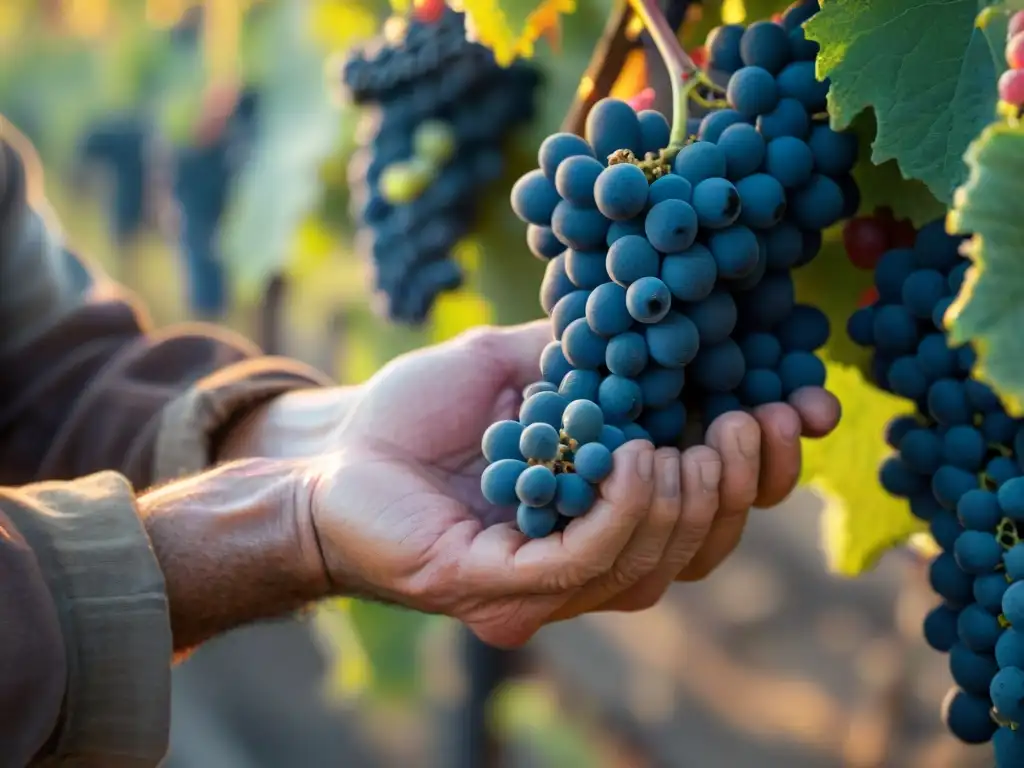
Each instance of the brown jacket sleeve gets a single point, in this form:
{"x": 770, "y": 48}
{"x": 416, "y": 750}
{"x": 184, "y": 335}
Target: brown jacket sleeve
{"x": 85, "y": 644}
{"x": 85, "y": 385}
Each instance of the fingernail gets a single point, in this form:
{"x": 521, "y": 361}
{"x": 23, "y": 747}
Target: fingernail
{"x": 710, "y": 475}
{"x": 790, "y": 428}
{"x": 749, "y": 441}
{"x": 645, "y": 465}
{"x": 668, "y": 483}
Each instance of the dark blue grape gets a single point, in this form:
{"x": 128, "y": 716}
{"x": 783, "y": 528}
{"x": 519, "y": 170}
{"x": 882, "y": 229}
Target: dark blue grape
{"x": 671, "y": 226}
{"x": 835, "y": 152}
{"x": 797, "y": 80}
{"x": 620, "y": 229}
{"x": 698, "y": 161}
{"x": 630, "y": 258}
{"x": 753, "y": 91}
{"x": 723, "y": 47}
{"x": 574, "y": 496}
{"x": 660, "y": 386}
{"x": 1007, "y": 692}
{"x": 580, "y": 228}
{"x": 580, "y": 385}
{"x": 612, "y": 437}
{"x": 940, "y": 628}
{"x": 761, "y": 350}
{"x": 735, "y": 250}
{"x": 606, "y": 310}
{"x": 789, "y": 160}
{"x": 762, "y": 200}
{"x": 988, "y": 592}
{"x": 950, "y": 483}
{"x": 557, "y": 148}
{"x": 575, "y": 179}
{"x": 536, "y": 522}
{"x": 538, "y": 386}
{"x": 540, "y": 441}
{"x": 719, "y": 367}
{"x": 555, "y": 285}
{"x": 668, "y": 187}
{"x": 648, "y": 300}
{"x": 759, "y": 387}
{"x": 716, "y": 202}
{"x": 621, "y": 399}
{"x": 501, "y": 441}
{"x": 967, "y": 717}
{"x": 805, "y": 329}
{"x": 613, "y": 125}
{"x": 586, "y": 269}
{"x": 582, "y": 347}
{"x": 665, "y": 425}
{"x": 498, "y": 481}
{"x": 626, "y": 355}
{"x": 744, "y": 150}
{"x": 542, "y": 242}
{"x": 691, "y": 274}
{"x": 715, "y": 316}
{"x": 977, "y": 552}
{"x": 569, "y": 308}
{"x": 583, "y": 421}
{"x": 714, "y": 123}
{"x": 818, "y": 204}
{"x": 673, "y": 342}
{"x": 534, "y": 198}
{"x": 1011, "y": 498}
{"x": 979, "y": 510}
{"x": 593, "y": 462}
{"x": 788, "y": 119}
{"x": 765, "y": 44}
{"x": 536, "y": 486}
{"x": 978, "y": 629}
{"x": 543, "y": 408}
{"x": 553, "y": 365}
{"x": 973, "y": 672}
{"x": 621, "y": 191}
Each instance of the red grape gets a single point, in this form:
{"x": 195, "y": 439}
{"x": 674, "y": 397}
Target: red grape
{"x": 428, "y": 11}
{"x": 865, "y": 239}
{"x": 1015, "y": 51}
{"x": 1011, "y": 87}
{"x": 901, "y": 233}
{"x": 1016, "y": 24}
{"x": 868, "y": 297}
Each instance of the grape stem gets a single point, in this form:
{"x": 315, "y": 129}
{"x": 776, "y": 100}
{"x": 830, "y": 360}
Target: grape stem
{"x": 682, "y": 72}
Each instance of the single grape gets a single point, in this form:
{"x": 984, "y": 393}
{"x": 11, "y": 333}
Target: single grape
{"x": 671, "y": 226}
{"x": 542, "y": 242}
{"x": 752, "y": 91}
{"x": 575, "y": 179}
{"x": 988, "y": 591}
{"x": 978, "y": 629}
{"x": 654, "y": 131}
{"x": 1007, "y": 692}
{"x": 806, "y": 329}
{"x": 626, "y": 354}
{"x": 580, "y": 228}
{"x": 621, "y": 399}
{"x": 606, "y": 310}
{"x": 558, "y": 147}
{"x": 660, "y": 386}
{"x": 501, "y": 441}
{"x": 593, "y": 462}
{"x": 673, "y": 341}
{"x": 536, "y": 486}
{"x": 574, "y": 496}
{"x": 714, "y": 123}
{"x": 498, "y": 481}
{"x": 784, "y": 246}
{"x": 1011, "y": 87}
{"x": 580, "y": 385}
{"x": 612, "y": 125}
{"x": 621, "y": 191}
{"x": 538, "y": 386}
{"x": 973, "y": 672}
{"x": 668, "y": 187}
{"x": 1011, "y": 498}
{"x": 612, "y": 437}
{"x": 1008, "y": 747}
{"x": 789, "y": 160}
{"x": 723, "y": 47}
{"x": 544, "y": 408}
{"x": 698, "y": 161}
{"x": 759, "y": 387}
{"x": 586, "y": 269}
{"x": 940, "y": 628}
{"x": 735, "y": 250}
{"x": 967, "y": 717}
{"x": 797, "y": 80}
{"x": 569, "y": 308}
{"x": 977, "y": 552}
{"x": 583, "y": 421}
{"x": 648, "y": 300}
{"x": 835, "y": 152}
{"x": 818, "y": 204}
{"x": 553, "y": 365}
{"x": 434, "y": 141}
{"x": 788, "y": 119}
{"x": 536, "y": 522}
{"x": 582, "y": 347}
{"x": 719, "y": 367}
{"x": 540, "y": 441}
{"x": 1010, "y": 648}
{"x": 665, "y": 425}
{"x": 630, "y": 258}
{"x": 762, "y": 200}
{"x": 744, "y": 150}
{"x": 765, "y": 44}
{"x": 715, "y": 316}
{"x": 716, "y": 202}
{"x": 555, "y": 285}
{"x": 691, "y": 274}
{"x": 534, "y": 198}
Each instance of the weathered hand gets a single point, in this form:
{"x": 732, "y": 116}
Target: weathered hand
{"x": 400, "y": 515}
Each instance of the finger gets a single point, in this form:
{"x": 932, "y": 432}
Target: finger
{"x": 737, "y": 439}
{"x": 502, "y": 561}
{"x": 819, "y": 410}
{"x": 780, "y": 453}
{"x": 514, "y": 351}
{"x": 701, "y": 474}
{"x": 646, "y": 549}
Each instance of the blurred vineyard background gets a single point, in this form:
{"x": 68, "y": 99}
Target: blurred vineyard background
{"x": 771, "y": 663}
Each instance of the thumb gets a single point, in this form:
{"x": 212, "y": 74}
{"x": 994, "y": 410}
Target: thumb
{"x": 514, "y": 350}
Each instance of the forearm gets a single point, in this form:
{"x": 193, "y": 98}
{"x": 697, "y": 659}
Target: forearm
{"x": 295, "y": 425}
{"x": 236, "y": 544}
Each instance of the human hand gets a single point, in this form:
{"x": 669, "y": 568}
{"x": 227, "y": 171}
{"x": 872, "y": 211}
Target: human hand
{"x": 400, "y": 516}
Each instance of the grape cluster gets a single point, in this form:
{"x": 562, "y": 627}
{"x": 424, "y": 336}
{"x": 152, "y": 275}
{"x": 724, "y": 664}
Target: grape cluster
{"x": 443, "y": 109}
{"x": 668, "y": 269}
{"x": 1011, "y": 82}
{"x": 958, "y": 461}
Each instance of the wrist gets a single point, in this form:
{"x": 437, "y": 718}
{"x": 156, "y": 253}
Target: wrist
{"x": 236, "y": 545}
{"x": 298, "y": 424}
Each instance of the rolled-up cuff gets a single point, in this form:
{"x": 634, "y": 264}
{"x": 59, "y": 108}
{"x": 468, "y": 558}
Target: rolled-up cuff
{"x": 111, "y": 599}
{"x": 193, "y": 424}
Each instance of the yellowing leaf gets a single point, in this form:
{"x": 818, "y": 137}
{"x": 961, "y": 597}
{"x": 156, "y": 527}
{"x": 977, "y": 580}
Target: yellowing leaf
{"x": 861, "y": 521}
{"x": 337, "y": 24}
{"x": 511, "y": 27}
{"x": 990, "y": 308}
{"x": 632, "y": 77}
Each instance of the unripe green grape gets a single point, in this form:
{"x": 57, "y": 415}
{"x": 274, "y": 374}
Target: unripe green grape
{"x": 403, "y": 182}
{"x": 434, "y": 141}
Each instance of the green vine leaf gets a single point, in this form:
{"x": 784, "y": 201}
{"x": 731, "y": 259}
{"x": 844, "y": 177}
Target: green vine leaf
{"x": 927, "y": 71}
{"x": 990, "y": 308}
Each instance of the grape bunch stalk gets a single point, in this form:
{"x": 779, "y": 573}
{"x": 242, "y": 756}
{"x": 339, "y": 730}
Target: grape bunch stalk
{"x": 958, "y": 461}
{"x": 439, "y": 112}
{"x": 669, "y": 264}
